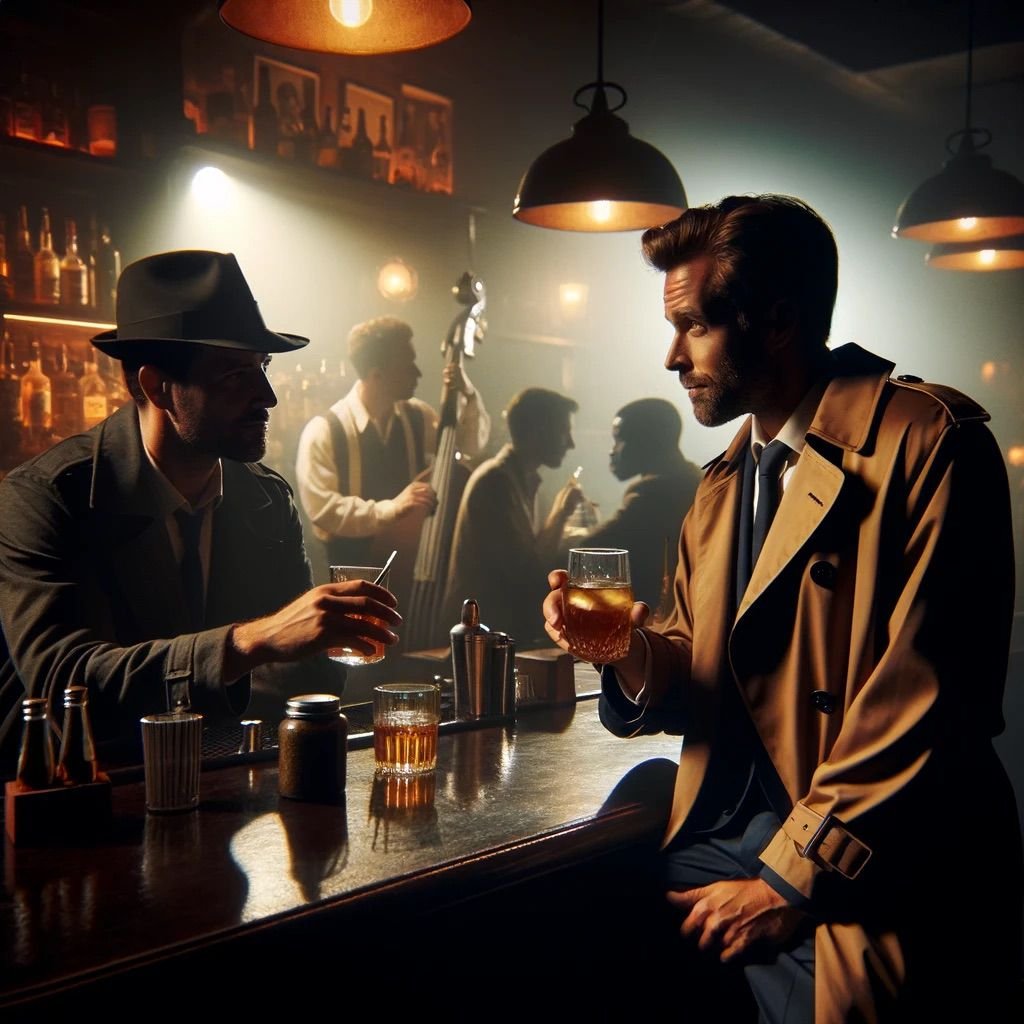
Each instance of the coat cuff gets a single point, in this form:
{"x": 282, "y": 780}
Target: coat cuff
{"x": 194, "y": 672}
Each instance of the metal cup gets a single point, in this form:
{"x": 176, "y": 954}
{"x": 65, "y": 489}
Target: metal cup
{"x": 171, "y": 749}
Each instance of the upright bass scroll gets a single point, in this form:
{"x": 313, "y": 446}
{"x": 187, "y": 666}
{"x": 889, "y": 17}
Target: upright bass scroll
{"x": 447, "y": 477}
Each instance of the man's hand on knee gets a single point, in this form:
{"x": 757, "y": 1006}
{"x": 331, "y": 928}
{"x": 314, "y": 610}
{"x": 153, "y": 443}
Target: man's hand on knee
{"x": 732, "y": 916}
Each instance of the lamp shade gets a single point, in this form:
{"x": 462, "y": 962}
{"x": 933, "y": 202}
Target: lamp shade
{"x": 348, "y": 26}
{"x": 1005, "y": 253}
{"x": 600, "y": 179}
{"x": 969, "y": 200}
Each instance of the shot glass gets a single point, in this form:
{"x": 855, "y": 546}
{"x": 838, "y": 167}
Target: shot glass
{"x": 598, "y": 601}
{"x": 405, "y": 721}
{"x": 346, "y": 655}
{"x": 171, "y": 749}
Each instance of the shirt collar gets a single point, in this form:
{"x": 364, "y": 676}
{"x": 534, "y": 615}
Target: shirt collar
{"x": 360, "y": 414}
{"x": 794, "y": 431}
{"x": 171, "y": 499}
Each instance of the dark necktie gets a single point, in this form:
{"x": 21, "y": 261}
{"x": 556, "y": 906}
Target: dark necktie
{"x": 769, "y": 493}
{"x": 191, "y": 526}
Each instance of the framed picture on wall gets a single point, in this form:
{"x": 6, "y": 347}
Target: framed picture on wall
{"x": 376, "y": 112}
{"x": 286, "y": 97}
{"x": 423, "y": 148}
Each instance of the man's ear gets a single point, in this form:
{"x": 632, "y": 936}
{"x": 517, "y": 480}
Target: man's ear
{"x": 781, "y": 325}
{"x": 155, "y": 386}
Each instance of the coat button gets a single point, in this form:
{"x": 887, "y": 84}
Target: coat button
{"x": 824, "y": 701}
{"x": 824, "y": 574}
{"x": 909, "y": 378}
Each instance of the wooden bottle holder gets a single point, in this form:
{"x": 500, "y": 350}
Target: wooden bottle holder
{"x": 36, "y": 816}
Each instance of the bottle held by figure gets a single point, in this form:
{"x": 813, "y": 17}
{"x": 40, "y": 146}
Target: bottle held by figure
{"x": 23, "y": 263}
{"x": 74, "y": 274}
{"x": 47, "y": 264}
{"x": 77, "y": 762}
{"x": 35, "y": 761}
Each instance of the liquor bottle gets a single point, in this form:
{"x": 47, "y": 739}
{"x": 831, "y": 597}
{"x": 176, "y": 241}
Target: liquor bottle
{"x": 27, "y": 114}
{"x": 36, "y": 404}
{"x": 77, "y": 761}
{"x": 10, "y": 406}
{"x": 23, "y": 263}
{"x": 308, "y": 145}
{"x": 74, "y": 274}
{"x": 382, "y": 152}
{"x": 67, "y": 398}
{"x": 35, "y": 760}
{"x": 405, "y": 169}
{"x": 93, "y": 389}
{"x": 90, "y": 260}
{"x": 6, "y": 283}
{"x": 54, "y": 118}
{"x": 47, "y": 264}
{"x": 264, "y": 117}
{"x": 360, "y": 156}
{"x": 108, "y": 270}
{"x": 327, "y": 148}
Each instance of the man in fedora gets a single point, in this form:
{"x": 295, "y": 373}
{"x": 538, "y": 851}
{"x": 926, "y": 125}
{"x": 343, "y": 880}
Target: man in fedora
{"x": 153, "y": 559}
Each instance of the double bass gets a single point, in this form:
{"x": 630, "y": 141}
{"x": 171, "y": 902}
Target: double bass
{"x": 448, "y": 477}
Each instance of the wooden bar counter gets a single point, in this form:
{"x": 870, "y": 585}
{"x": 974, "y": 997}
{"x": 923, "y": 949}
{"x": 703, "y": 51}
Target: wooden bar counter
{"x": 493, "y": 856}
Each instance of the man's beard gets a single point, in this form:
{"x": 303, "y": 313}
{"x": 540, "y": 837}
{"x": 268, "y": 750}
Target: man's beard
{"x": 733, "y": 390}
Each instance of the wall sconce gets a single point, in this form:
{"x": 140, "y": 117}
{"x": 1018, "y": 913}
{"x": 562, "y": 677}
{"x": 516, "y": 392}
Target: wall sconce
{"x": 397, "y": 281}
{"x": 348, "y": 26}
{"x": 572, "y": 300}
{"x": 1015, "y": 455}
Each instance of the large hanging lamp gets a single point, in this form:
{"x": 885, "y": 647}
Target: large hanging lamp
{"x": 601, "y": 178}
{"x": 1005, "y": 253}
{"x": 969, "y": 199}
{"x": 348, "y": 26}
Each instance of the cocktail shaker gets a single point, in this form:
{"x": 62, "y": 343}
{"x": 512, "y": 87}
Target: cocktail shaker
{"x": 471, "y": 663}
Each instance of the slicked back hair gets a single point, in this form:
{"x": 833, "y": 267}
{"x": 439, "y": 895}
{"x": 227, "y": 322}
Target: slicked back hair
{"x": 535, "y": 411}
{"x": 762, "y": 249}
{"x": 372, "y": 343}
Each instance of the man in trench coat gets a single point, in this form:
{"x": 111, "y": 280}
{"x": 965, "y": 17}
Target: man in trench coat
{"x": 841, "y": 830}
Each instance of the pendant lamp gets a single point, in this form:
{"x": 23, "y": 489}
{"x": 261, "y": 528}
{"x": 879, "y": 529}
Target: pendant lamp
{"x": 348, "y": 26}
{"x": 1005, "y": 253}
{"x": 969, "y": 199}
{"x": 601, "y": 178}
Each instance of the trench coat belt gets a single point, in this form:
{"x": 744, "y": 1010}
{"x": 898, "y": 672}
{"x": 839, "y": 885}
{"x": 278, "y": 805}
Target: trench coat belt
{"x": 826, "y": 841}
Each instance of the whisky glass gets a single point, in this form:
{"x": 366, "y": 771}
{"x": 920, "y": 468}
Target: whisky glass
{"x": 597, "y": 604}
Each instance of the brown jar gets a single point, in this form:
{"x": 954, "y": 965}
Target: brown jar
{"x": 312, "y": 745}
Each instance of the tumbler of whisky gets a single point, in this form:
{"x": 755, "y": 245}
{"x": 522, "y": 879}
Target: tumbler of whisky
{"x": 598, "y": 601}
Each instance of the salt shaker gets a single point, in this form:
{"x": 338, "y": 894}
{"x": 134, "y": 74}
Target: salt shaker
{"x": 312, "y": 743}
{"x": 35, "y": 761}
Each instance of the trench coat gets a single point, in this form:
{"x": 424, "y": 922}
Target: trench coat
{"x": 870, "y": 651}
{"x": 91, "y": 594}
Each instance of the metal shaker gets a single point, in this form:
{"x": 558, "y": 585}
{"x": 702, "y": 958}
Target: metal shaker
{"x": 502, "y": 691}
{"x": 471, "y": 663}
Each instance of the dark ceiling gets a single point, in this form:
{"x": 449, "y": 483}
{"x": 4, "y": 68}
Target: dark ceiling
{"x": 868, "y": 35}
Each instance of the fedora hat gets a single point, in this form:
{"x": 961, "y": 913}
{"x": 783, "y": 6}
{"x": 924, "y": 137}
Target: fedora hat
{"x": 191, "y": 296}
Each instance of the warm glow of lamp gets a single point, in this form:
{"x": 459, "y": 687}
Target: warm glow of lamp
{"x": 397, "y": 281}
{"x": 211, "y": 186}
{"x": 990, "y": 254}
{"x": 601, "y": 178}
{"x": 572, "y": 298}
{"x": 1015, "y": 455}
{"x": 348, "y": 26}
{"x": 351, "y": 13}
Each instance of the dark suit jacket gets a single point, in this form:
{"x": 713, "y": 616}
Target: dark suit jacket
{"x": 90, "y": 592}
{"x": 648, "y": 525}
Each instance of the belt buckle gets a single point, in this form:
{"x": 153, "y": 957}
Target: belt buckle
{"x": 812, "y": 844}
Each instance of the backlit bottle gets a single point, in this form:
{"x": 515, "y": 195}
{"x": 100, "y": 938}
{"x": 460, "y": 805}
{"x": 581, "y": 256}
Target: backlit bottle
{"x": 108, "y": 270}
{"x": 74, "y": 274}
{"x": 23, "y": 263}
{"x": 67, "y": 398}
{"x": 36, "y": 402}
{"x": 47, "y": 264}
{"x": 93, "y": 389}
{"x": 360, "y": 156}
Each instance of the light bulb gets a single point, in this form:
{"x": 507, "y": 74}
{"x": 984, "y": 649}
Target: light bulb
{"x": 601, "y": 210}
{"x": 351, "y": 13}
{"x": 967, "y": 223}
{"x": 987, "y": 256}
{"x": 211, "y": 187}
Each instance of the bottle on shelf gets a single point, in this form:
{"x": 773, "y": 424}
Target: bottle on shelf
{"x": 264, "y": 116}
{"x": 360, "y": 155}
{"x": 382, "y": 152}
{"x": 27, "y": 114}
{"x": 93, "y": 389}
{"x": 36, "y": 403}
{"x": 54, "y": 117}
{"x": 66, "y": 402}
{"x": 117, "y": 392}
{"x": 77, "y": 761}
{"x": 6, "y": 282}
{"x": 23, "y": 262}
{"x": 327, "y": 147}
{"x": 90, "y": 260}
{"x": 35, "y": 760}
{"x": 47, "y": 264}
{"x": 10, "y": 405}
{"x": 108, "y": 270}
{"x": 405, "y": 169}
{"x": 74, "y": 274}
